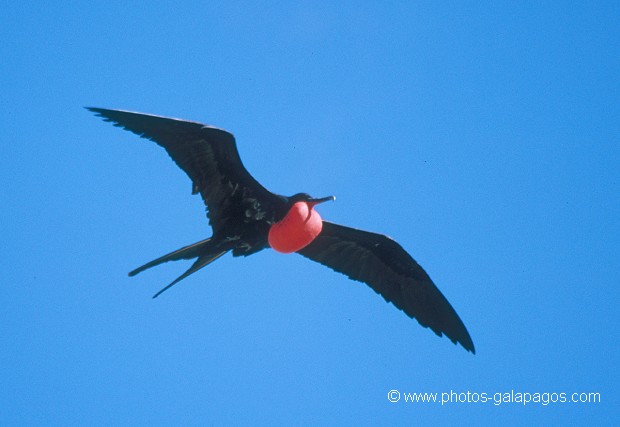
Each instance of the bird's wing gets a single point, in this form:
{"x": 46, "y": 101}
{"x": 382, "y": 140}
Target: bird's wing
{"x": 390, "y": 271}
{"x": 210, "y": 158}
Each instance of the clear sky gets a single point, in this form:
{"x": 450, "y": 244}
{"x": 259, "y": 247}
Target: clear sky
{"x": 485, "y": 138}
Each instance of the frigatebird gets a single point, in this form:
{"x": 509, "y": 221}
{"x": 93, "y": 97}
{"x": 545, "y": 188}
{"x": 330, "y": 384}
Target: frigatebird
{"x": 247, "y": 218}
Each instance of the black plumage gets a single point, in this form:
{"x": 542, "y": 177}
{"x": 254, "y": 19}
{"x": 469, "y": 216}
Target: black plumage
{"x": 241, "y": 211}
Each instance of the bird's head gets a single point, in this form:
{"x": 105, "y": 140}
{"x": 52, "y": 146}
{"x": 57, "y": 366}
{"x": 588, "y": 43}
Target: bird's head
{"x": 309, "y": 202}
{"x": 305, "y": 197}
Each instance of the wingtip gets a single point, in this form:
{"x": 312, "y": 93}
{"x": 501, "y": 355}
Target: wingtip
{"x": 467, "y": 345}
{"x": 99, "y": 112}
{"x": 470, "y": 349}
{"x": 94, "y": 109}
{"x": 105, "y": 112}
{"x": 464, "y": 339}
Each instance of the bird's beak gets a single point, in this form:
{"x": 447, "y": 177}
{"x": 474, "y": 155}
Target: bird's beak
{"x": 313, "y": 202}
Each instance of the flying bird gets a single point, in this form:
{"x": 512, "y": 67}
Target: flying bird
{"x": 247, "y": 218}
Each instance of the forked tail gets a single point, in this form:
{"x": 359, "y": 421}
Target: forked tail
{"x": 205, "y": 251}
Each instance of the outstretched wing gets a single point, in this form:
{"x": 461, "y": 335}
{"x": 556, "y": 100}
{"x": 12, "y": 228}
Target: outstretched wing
{"x": 390, "y": 271}
{"x": 210, "y": 158}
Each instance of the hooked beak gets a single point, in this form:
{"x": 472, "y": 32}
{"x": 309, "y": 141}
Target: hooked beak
{"x": 313, "y": 202}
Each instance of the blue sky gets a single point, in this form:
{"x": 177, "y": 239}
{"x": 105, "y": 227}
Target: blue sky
{"x": 484, "y": 138}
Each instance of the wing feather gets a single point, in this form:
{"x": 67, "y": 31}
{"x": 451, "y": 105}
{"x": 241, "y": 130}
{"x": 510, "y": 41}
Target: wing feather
{"x": 389, "y": 270}
{"x": 209, "y": 156}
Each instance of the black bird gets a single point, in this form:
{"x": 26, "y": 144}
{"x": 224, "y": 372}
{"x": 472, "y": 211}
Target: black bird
{"x": 247, "y": 218}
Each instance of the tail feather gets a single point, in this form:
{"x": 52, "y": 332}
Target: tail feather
{"x": 200, "y": 262}
{"x": 206, "y": 252}
{"x": 187, "y": 252}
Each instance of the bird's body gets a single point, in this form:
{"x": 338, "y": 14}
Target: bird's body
{"x": 247, "y": 218}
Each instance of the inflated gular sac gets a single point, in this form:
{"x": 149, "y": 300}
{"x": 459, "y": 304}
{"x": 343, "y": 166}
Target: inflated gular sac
{"x": 296, "y": 230}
